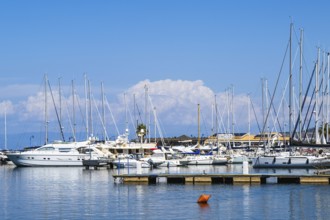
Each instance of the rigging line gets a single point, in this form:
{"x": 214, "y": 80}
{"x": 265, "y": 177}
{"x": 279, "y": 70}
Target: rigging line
{"x": 204, "y": 123}
{"x": 220, "y": 114}
{"x": 57, "y": 116}
{"x": 318, "y": 113}
{"x": 100, "y": 117}
{"x": 133, "y": 123}
{"x": 113, "y": 119}
{"x": 282, "y": 103}
{"x": 139, "y": 112}
{"x": 310, "y": 114}
{"x": 304, "y": 101}
{"x": 276, "y": 114}
{"x": 81, "y": 111}
{"x": 70, "y": 122}
{"x": 277, "y": 82}
{"x": 255, "y": 115}
{"x": 156, "y": 120}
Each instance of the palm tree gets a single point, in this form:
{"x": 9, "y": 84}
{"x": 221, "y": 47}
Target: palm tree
{"x": 141, "y": 131}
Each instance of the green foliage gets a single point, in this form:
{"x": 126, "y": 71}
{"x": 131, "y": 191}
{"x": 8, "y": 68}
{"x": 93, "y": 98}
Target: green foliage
{"x": 141, "y": 130}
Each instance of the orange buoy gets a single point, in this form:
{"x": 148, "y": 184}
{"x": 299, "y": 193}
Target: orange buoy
{"x": 203, "y": 198}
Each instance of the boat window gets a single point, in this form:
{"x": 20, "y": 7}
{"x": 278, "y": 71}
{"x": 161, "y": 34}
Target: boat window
{"x": 64, "y": 149}
{"x": 46, "y": 149}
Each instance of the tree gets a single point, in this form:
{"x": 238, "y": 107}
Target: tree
{"x": 141, "y": 131}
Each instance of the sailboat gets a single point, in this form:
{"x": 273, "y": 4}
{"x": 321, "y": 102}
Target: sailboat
{"x": 205, "y": 159}
{"x": 294, "y": 159}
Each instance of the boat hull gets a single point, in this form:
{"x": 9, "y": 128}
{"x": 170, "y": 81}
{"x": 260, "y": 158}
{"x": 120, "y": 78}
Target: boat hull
{"x": 291, "y": 162}
{"x": 34, "y": 160}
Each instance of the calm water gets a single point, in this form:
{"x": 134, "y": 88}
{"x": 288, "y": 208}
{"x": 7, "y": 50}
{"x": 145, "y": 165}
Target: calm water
{"x": 76, "y": 193}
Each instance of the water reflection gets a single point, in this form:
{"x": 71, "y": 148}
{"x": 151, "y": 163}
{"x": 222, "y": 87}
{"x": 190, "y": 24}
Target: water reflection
{"x": 76, "y": 193}
{"x": 203, "y": 206}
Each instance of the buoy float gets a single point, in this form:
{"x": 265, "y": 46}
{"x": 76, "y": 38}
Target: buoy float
{"x": 203, "y": 198}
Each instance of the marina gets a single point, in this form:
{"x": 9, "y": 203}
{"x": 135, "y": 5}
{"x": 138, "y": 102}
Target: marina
{"x": 153, "y": 110}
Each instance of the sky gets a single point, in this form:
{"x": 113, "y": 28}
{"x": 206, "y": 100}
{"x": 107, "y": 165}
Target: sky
{"x": 212, "y": 53}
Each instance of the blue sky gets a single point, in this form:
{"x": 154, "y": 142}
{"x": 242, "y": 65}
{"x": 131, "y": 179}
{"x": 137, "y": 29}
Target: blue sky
{"x": 125, "y": 44}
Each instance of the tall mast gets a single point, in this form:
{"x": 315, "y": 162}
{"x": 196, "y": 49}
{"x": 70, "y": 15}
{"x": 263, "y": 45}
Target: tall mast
{"x": 86, "y": 107}
{"x": 6, "y": 127}
{"x": 103, "y": 113}
{"x": 60, "y": 99}
{"x": 300, "y": 79}
{"x": 90, "y": 108}
{"x": 290, "y": 81}
{"x": 328, "y": 90}
{"x": 198, "y": 121}
{"x": 317, "y": 136}
{"x": 323, "y": 98}
{"x": 232, "y": 114}
{"x": 263, "y": 110}
{"x": 73, "y": 113}
{"x": 216, "y": 120}
{"x": 249, "y": 119}
{"x": 46, "y": 111}
{"x": 155, "y": 120}
{"x": 146, "y": 110}
{"x": 263, "y": 101}
{"x": 145, "y": 103}
{"x": 216, "y": 114}
{"x": 228, "y": 118}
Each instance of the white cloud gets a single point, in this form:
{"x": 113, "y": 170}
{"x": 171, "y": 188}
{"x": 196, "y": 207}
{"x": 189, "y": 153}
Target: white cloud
{"x": 6, "y": 107}
{"x": 175, "y": 102}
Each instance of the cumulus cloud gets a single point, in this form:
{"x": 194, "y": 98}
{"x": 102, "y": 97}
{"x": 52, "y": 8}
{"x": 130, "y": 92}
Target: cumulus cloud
{"x": 174, "y": 102}
{"x": 6, "y": 107}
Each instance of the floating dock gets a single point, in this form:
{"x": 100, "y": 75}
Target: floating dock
{"x": 97, "y": 164}
{"x": 222, "y": 178}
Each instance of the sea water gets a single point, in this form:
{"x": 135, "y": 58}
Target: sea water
{"x": 77, "y": 193}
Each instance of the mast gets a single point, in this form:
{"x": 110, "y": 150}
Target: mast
{"x": 86, "y": 107}
{"x": 6, "y": 127}
{"x": 73, "y": 112}
{"x": 328, "y": 90}
{"x": 60, "y": 99}
{"x": 155, "y": 127}
{"x": 146, "y": 109}
{"x": 323, "y": 141}
{"x": 46, "y": 111}
{"x": 90, "y": 108}
{"x": 216, "y": 121}
{"x": 126, "y": 115}
{"x": 249, "y": 119}
{"x": 198, "y": 120}
{"x": 263, "y": 109}
{"x": 290, "y": 81}
{"x": 228, "y": 118}
{"x": 317, "y": 136}
{"x": 103, "y": 113}
{"x": 232, "y": 114}
{"x": 300, "y": 79}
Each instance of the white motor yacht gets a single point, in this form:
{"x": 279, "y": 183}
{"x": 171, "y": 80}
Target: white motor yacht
{"x": 56, "y": 154}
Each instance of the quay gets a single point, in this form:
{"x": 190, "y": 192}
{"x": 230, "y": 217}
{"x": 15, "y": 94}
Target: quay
{"x": 203, "y": 178}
